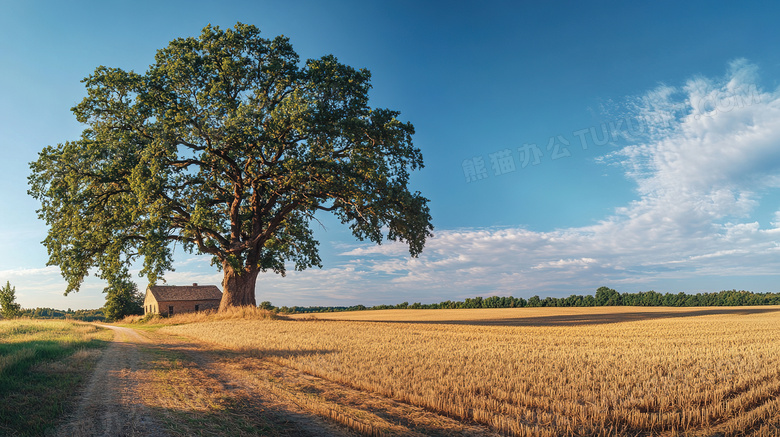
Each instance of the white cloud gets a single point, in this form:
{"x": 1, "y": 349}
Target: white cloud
{"x": 566, "y": 264}
{"x": 710, "y": 150}
{"x": 44, "y": 287}
{"x": 26, "y": 272}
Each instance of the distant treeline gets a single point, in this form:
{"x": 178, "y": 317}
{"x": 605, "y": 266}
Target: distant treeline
{"x": 50, "y": 313}
{"x": 604, "y": 297}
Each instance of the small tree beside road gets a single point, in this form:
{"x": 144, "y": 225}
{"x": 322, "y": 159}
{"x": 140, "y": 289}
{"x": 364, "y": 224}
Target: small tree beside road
{"x": 122, "y": 299}
{"x": 8, "y": 306}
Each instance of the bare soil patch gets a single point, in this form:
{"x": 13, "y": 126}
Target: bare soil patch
{"x": 109, "y": 404}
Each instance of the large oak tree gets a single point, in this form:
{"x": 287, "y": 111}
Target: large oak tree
{"x": 227, "y": 146}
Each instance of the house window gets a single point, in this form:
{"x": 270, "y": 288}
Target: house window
{"x": 197, "y": 307}
{"x": 170, "y": 310}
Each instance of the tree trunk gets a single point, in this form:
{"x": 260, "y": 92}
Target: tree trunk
{"x": 238, "y": 288}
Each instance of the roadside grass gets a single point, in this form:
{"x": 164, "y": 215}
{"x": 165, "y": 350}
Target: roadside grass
{"x": 42, "y": 363}
{"x": 155, "y": 321}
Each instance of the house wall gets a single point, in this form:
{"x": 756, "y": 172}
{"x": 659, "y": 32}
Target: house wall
{"x": 150, "y": 304}
{"x": 181, "y": 306}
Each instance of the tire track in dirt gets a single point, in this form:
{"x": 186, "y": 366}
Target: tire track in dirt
{"x": 109, "y": 404}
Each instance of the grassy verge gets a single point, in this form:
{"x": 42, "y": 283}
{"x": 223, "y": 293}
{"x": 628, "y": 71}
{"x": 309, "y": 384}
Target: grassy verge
{"x": 42, "y": 362}
{"x": 155, "y": 321}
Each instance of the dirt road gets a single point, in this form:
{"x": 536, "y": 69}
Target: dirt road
{"x": 110, "y": 405}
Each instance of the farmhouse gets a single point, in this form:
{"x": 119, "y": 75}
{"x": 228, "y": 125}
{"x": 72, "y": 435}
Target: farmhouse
{"x": 175, "y": 299}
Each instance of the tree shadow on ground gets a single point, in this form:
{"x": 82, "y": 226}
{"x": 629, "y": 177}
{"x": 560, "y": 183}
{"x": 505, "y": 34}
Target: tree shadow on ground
{"x": 209, "y": 401}
{"x": 299, "y": 405}
{"x": 590, "y": 319}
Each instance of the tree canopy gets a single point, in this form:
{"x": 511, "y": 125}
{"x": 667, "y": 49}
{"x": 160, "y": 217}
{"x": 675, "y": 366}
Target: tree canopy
{"x": 226, "y": 146}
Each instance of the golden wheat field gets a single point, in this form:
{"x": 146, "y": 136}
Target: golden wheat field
{"x": 542, "y": 371}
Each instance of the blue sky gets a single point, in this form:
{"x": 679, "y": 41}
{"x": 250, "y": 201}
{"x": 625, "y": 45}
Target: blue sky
{"x": 567, "y": 145}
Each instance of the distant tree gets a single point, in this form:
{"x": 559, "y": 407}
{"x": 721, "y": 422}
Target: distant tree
{"x": 607, "y": 296}
{"x": 8, "y": 306}
{"x": 448, "y": 304}
{"x": 534, "y": 301}
{"x": 122, "y": 299}
{"x": 226, "y": 146}
{"x": 692, "y": 300}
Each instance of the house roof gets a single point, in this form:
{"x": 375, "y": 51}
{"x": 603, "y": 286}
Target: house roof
{"x": 163, "y": 293}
